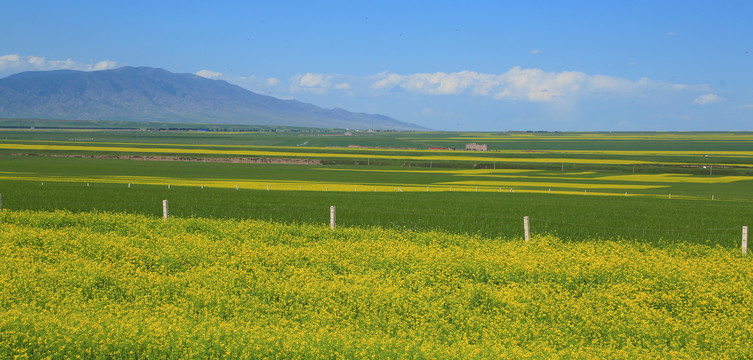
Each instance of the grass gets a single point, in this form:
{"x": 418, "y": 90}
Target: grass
{"x": 658, "y": 221}
{"x": 99, "y": 285}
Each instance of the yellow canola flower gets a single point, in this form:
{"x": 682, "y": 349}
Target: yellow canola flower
{"x": 675, "y": 178}
{"x": 537, "y": 184}
{"x": 456, "y": 156}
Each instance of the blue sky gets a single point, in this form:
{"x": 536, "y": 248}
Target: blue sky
{"x": 446, "y": 65}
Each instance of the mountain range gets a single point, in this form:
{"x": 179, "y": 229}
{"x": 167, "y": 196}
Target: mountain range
{"x": 152, "y": 94}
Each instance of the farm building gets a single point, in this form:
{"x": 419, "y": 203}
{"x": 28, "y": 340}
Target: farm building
{"x": 476, "y": 147}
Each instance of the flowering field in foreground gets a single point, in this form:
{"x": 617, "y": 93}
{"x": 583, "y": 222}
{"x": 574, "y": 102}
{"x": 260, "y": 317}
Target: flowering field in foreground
{"x": 103, "y": 285}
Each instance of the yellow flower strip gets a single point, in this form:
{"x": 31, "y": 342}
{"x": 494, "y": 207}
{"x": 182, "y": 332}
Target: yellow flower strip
{"x": 185, "y": 151}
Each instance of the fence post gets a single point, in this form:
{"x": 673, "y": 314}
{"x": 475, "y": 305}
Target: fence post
{"x": 745, "y": 241}
{"x": 165, "y": 211}
{"x": 527, "y": 228}
{"x": 236, "y": 186}
{"x": 332, "y": 217}
{"x": 129, "y": 185}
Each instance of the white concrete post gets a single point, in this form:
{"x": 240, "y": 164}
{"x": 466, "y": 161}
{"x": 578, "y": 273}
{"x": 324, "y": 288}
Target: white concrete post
{"x": 526, "y": 228}
{"x": 745, "y": 241}
{"x": 165, "y": 211}
{"x": 332, "y": 217}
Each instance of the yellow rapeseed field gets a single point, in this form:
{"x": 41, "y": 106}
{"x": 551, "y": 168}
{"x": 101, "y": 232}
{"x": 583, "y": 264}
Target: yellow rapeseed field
{"x": 101, "y": 285}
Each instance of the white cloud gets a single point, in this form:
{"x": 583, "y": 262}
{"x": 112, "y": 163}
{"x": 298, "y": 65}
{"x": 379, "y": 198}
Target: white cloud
{"x": 517, "y": 83}
{"x": 272, "y": 81}
{"x": 314, "y": 80}
{"x": 669, "y": 35}
{"x": 102, "y": 65}
{"x": 745, "y": 106}
{"x": 209, "y": 74}
{"x": 706, "y": 99}
{"x": 342, "y": 86}
{"x": 535, "y": 52}
{"x": 14, "y": 63}
{"x": 311, "y": 82}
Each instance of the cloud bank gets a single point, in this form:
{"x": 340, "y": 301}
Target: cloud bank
{"x": 209, "y": 74}
{"x": 706, "y": 99}
{"x": 14, "y": 63}
{"x": 534, "y": 85}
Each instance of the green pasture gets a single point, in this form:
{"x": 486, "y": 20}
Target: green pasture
{"x": 659, "y": 221}
{"x": 351, "y": 178}
{"x": 573, "y": 184}
{"x": 692, "y": 153}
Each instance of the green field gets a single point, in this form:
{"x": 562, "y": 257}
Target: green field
{"x": 635, "y": 249}
{"x": 649, "y": 187}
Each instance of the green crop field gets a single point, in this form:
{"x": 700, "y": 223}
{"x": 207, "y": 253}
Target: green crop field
{"x": 642, "y": 186}
{"x": 635, "y": 248}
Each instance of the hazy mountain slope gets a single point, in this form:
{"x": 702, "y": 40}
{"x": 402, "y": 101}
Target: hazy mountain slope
{"x": 150, "y": 94}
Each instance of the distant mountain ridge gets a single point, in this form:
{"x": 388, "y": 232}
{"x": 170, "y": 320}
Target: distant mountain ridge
{"x": 152, "y": 94}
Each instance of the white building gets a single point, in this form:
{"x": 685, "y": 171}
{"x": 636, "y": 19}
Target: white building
{"x": 476, "y": 147}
